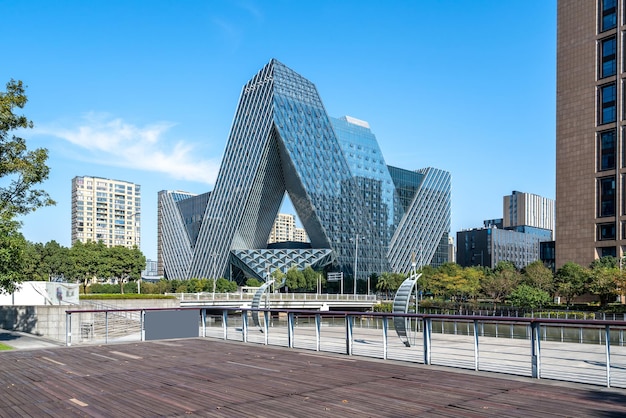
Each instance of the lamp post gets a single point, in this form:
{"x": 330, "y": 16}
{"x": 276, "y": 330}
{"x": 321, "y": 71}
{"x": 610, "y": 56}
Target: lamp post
{"x": 214, "y": 256}
{"x": 356, "y": 259}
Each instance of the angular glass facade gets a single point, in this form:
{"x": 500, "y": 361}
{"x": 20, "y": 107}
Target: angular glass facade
{"x": 282, "y": 141}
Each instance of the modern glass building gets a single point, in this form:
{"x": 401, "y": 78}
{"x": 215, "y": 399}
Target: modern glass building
{"x": 360, "y": 215}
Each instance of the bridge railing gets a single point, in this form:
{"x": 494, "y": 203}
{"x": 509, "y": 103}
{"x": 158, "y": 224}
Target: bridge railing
{"x": 583, "y": 351}
{"x": 240, "y": 296}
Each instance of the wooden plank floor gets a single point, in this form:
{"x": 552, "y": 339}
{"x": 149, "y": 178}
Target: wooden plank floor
{"x": 207, "y": 377}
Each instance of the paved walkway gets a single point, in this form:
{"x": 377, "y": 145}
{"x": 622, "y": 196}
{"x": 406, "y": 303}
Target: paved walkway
{"x": 24, "y": 341}
{"x": 207, "y": 377}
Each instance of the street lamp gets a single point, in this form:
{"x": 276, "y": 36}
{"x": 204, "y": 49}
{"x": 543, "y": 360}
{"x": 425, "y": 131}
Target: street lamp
{"x": 214, "y": 256}
{"x": 356, "y": 258}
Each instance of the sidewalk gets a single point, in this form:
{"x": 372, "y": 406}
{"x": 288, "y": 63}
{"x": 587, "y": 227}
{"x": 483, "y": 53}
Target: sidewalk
{"x": 23, "y": 341}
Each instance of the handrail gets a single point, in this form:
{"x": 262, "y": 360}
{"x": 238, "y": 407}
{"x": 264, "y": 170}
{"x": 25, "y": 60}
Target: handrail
{"x": 534, "y": 325}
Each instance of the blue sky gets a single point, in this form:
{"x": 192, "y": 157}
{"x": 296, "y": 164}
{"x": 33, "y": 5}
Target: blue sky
{"x": 145, "y": 91}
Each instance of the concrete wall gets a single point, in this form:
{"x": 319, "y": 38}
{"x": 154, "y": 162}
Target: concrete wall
{"x": 49, "y": 321}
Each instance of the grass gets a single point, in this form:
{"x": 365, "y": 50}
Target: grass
{"x": 5, "y": 347}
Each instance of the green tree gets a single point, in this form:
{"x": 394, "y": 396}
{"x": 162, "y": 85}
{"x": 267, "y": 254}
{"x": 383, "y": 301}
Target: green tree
{"x": 571, "y": 280}
{"x": 310, "y": 279}
{"x": 12, "y": 249}
{"x": 385, "y": 283}
{"x": 253, "y": 282}
{"x": 22, "y": 169}
{"x": 526, "y": 296}
{"x": 501, "y": 282}
{"x": 295, "y": 279}
{"x": 603, "y": 282}
{"x": 126, "y": 264}
{"x": 537, "y": 275}
{"x": 88, "y": 262}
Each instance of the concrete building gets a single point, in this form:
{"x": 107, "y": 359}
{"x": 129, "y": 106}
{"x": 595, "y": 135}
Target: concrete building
{"x": 361, "y": 216}
{"x": 590, "y": 164}
{"x": 527, "y": 209}
{"x": 285, "y": 229}
{"x": 106, "y": 210}
{"x": 516, "y": 237}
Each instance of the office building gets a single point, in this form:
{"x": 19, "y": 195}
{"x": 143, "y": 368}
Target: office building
{"x": 590, "y": 164}
{"x": 528, "y": 210}
{"x": 361, "y": 216}
{"x": 107, "y": 211}
{"x": 516, "y": 237}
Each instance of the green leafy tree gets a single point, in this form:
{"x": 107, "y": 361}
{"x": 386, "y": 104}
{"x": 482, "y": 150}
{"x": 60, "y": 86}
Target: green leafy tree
{"x": 310, "y": 279}
{"x": 253, "y": 282}
{"x": 126, "y": 264}
{"x": 12, "y": 250}
{"x": 603, "y": 282}
{"x": 501, "y": 282}
{"x": 571, "y": 280}
{"x": 88, "y": 262}
{"x": 295, "y": 279}
{"x": 34, "y": 267}
{"x": 606, "y": 261}
{"x": 22, "y": 169}
{"x": 526, "y": 296}
{"x": 537, "y": 275}
{"x": 385, "y": 283}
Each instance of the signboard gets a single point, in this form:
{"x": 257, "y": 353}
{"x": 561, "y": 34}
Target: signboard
{"x": 334, "y": 277}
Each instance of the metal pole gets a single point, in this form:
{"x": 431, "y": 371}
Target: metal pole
{"x": 356, "y": 258}
{"x": 204, "y": 322}
{"x": 476, "y": 358}
{"x": 607, "y": 332}
{"x": 428, "y": 328}
{"x": 385, "y": 325}
{"x": 106, "y": 327}
{"x": 68, "y": 329}
{"x": 349, "y": 322}
{"x": 318, "y": 331}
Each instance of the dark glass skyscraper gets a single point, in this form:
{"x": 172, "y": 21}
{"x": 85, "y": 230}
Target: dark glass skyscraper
{"x": 282, "y": 141}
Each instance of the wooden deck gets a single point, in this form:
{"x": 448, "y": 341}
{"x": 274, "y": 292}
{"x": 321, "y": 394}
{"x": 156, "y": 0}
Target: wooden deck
{"x": 207, "y": 377}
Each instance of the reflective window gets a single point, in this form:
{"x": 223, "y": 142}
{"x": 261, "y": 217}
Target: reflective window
{"x": 606, "y": 150}
{"x": 607, "y": 251}
{"x": 608, "y": 66}
{"x": 606, "y": 231}
{"x": 606, "y": 197}
{"x": 607, "y": 103}
{"x": 608, "y": 15}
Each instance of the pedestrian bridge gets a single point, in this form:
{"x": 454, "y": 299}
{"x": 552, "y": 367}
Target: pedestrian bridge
{"x": 309, "y": 301}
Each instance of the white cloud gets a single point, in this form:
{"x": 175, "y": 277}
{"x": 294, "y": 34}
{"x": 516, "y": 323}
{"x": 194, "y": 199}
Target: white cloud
{"x": 142, "y": 148}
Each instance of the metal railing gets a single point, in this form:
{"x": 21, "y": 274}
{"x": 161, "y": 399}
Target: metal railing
{"x": 272, "y": 296}
{"x": 583, "y": 351}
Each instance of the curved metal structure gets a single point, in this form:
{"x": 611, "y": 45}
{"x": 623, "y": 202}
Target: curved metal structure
{"x": 256, "y": 302}
{"x": 401, "y": 305}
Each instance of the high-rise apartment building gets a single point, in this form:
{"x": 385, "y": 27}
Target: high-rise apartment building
{"x": 590, "y": 163}
{"x": 106, "y": 210}
{"x": 285, "y": 229}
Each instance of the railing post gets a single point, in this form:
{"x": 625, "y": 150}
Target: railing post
{"x": 68, "y": 329}
{"x": 607, "y": 332}
{"x": 476, "y": 357}
{"x": 225, "y": 323}
{"x": 535, "y": 349}
{"x": 385, "y": 327}
{"x": 428, "y": 328}
{"x": 106, "y": 327}
{"x": 143, "y": 332}
{"x": 290, "y": 335}
{"x": 203, "y": 313}
{"x": 349, "y": 322}
{"x": 318, "y": 331}
{"x": 266, "y": 326}
{"x": 244, "y": 326}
